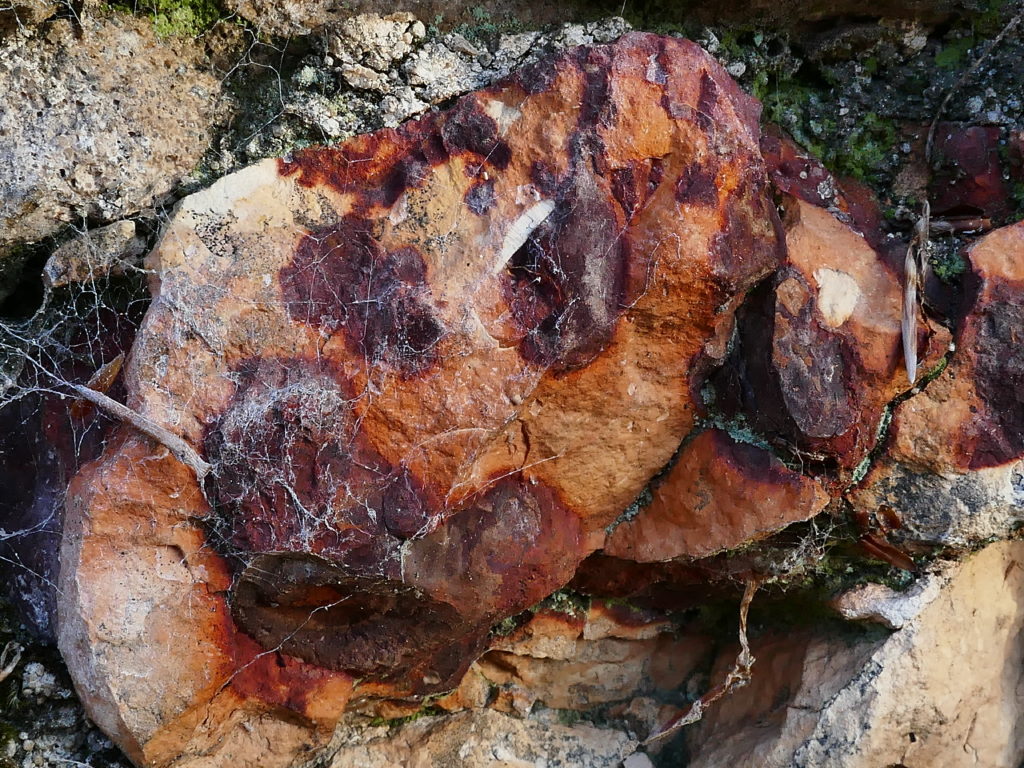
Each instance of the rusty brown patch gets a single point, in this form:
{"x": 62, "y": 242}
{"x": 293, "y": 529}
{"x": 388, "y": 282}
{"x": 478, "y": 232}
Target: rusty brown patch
{"x": 512, "y": 544}
{"x": 310, "y": 608}
{"x": 998, "y": 355}
{"x": 698, "y": 184}
{"x": 343, "y": 280}
{"x": 468, "y": 129}
{"x": 790, "y": 375}
{"x": 634, "y": 184}
{"x": 375, "y": 168}
{"x": 295, "y": 473}
{"x": 566, "y": 286}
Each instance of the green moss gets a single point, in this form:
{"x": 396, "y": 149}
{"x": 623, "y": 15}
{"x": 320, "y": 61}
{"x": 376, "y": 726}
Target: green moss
{"x": 1017, "y": 195}
{"x": 948, "y": 266}
{"x": 176, "y": 18}
{"x": 953, "y": 55}
{"x": 396, "y": 722}
{"x": 569, "y": 717}
{"x": 565, "y": 601}
{"x": 505, "y": 627}
{"x": 485, "y": 26}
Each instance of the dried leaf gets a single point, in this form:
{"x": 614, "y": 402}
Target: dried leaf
{"x": 101, "y": 381}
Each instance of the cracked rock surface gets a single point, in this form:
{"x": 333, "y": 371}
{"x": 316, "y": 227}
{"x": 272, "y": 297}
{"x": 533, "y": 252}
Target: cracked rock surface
{"x": 507, "y": 398}
{"x": 96, "y": 127}
{"x": 941, "y": 691}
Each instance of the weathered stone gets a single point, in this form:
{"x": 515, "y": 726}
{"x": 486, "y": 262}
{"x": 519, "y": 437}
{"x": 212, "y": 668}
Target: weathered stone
{"x": 818, "y": 353}
{"x": 882, "y": 604}
{"x": 480, "y": 739}
{"x": 19, "y": 16}
{"x": 429, "y": 366}
{"x": 300, "y": 17}
{"x": 580, "y": 661}
{"x": 796, "y": 172}
{"x": 97, "y": 126}
{"x": 951, "y": 469}
{"x": 372, "y": 41}
{"x": 389, "y": 83}
{"x": 969, "y": 177}
{"x": 942, "y": 691}
{"x": 96, "y": 253}
{"x": 719, "y": 495}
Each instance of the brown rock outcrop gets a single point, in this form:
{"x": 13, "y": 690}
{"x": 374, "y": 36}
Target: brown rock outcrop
{"x": 429, "y": 367}
{"x": 951, "y": 468}
{"x": 703, "y": 505}
{"x": 818, "y": 350}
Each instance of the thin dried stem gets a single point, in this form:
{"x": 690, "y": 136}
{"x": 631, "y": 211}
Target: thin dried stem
{"x": 738, "y": 676}
{"x": 9, "y": 659}
{"x": 181, "y": 450}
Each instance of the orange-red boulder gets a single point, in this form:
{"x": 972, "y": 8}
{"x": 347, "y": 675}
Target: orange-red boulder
{"x": 719, "y": 495}
{"x": 953, "y": 464}
{"x": 429, "y": 366}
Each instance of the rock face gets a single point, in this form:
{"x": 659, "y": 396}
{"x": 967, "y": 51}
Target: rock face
{"x": 942, "y": 691}
{"x": 429, "y": 366}
{"x": 481, "y": 739}
{"x": 578, "y": 661}
{"x": 702, "y": 505}
{"x": 952, "y": 465}
{"x": 96, "y": 127}
{"x": 818, "y": 349}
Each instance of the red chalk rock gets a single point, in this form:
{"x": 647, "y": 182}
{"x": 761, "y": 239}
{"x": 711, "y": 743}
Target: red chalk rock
{"x": 429, "y": 367}
{"x": 818, "y": 353}
{"x": 719, "y": 495}
{"x": 952, "y": 465}
{"x": 969, "y": 180}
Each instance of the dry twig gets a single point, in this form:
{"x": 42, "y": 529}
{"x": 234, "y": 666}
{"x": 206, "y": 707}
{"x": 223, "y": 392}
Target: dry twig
{"x": 181, "y": 450}
{"x": 738, "y": 676}
{"x": 9, "y": 659}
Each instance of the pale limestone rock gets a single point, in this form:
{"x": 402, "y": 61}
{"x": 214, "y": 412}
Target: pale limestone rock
{"x": 944, "y": 691}
{"x": 886, "y": 606}
{"x": 481, "y": 739}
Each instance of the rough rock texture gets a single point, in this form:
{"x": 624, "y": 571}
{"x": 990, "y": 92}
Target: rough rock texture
{"x": 372, "y": 71}
{"x": 943, "y": 691}
{"x": 818, "y": 350}
{"x": 430, "y": 366}
{"x": 296, "y": 17}
{"x": 368, "y": 521}
{"x": 951, "y": 468}
{"x": 481, "y": 739}
{"x": 96, "y": 253}
{"x": 703, "y": 504}
{"x": 567, "y": 661}
{"x": 96, "y": 125}
{"x": 20, "y": 15}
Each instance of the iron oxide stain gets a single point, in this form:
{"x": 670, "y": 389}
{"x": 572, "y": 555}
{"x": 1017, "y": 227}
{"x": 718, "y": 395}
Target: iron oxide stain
{"x": 342, "y": 279}
{"x": 999, "y": 373}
